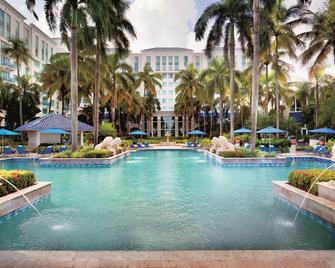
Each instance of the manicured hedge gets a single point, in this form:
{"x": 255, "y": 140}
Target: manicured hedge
{"x": 304, "y": 179}
{"x": 237, "y": 154}
{"x": 20, "y": 178}
{"x": 85, "y": 153}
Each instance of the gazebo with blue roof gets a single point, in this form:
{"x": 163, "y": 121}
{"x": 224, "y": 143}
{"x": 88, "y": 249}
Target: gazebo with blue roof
{"x": 36, "y": 128}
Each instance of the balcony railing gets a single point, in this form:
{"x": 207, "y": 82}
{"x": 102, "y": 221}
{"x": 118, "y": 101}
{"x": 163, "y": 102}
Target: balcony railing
{"x": 7, "y": 64}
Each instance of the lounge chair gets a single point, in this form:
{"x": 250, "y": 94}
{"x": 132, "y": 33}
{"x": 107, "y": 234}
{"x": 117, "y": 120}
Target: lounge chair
{"x": 132, "y": 146}
{"x": 323, "y": 151}
{"x": 21, "y": 151}
{"x": 190, "y": 144}
{"x": 246, "y": 146}
{"x": 262, "y": 148}
{"x": 7, "y": 151}
{"x": 316, "y": 149}
{"x": 62, "y": 149}
{"x": 47, "y": 151}
{"x": 146, "y": 145}
{"x": 139, "y": 146}
{"x": 272, "y": 149}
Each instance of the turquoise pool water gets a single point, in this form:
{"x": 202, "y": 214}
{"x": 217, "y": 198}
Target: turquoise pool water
{"x": 163, "y": 200}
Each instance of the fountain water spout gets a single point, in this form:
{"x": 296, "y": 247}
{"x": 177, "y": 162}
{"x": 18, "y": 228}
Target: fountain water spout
{"x": 23, "y": 195}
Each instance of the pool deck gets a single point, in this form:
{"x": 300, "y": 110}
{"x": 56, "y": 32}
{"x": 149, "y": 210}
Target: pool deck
{"x": 176, "y": 259}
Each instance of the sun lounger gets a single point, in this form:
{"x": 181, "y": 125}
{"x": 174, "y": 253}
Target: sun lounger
{"x": 47, "y": 151}
{"x": 62, "y": 149}
{"x": 272, "y": 149}
{"x": 21, "y": 151}
{"x": 7, "y": 151}
{"x": 262, "y": 148}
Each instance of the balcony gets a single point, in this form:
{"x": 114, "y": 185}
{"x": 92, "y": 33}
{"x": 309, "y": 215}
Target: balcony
{"x": 7, "y": 65}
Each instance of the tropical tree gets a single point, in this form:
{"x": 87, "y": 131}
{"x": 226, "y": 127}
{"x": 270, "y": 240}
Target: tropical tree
{"x": 217, "y": 80}
{"x": 189, "y": 86}
{"x": 150, "y": 81}
{"x": 20, "y": 53}
{"x": 228, "y": 16}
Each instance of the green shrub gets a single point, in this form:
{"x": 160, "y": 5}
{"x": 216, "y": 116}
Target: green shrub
{"x": 304, "y": 148}
{"x": 20, "y": 178}
{"x": 304, "y": 179}
{"x": 330, "y": 143}
{"x": 107, "y": 129}
{"x": 97, "y": 154}
{"x": 205, "y": 143}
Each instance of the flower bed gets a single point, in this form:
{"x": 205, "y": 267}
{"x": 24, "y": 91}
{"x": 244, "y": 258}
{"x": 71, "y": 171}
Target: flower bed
{"x": 304, "y": 179}
{"x": 20, "y": 178}
{"x": 86, "y": 153}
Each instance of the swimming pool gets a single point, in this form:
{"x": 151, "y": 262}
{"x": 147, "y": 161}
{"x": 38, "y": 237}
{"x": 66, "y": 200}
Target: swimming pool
{"x": 163, "y": 200}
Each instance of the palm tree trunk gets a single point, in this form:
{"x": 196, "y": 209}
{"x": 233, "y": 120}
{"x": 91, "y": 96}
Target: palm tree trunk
{"x": 317, "y": 103}
{"x": 255, "y": 74}
{"x": 74, "y": 88}
{"x": 50, "y": 101}
{"x": 211, "y": 122}
{"x": 96, "y": 97}
{"x": 266, "y": 108}
{"x": 232, "y": 79}
{"x": 277, "y": 86}
{"x": 20, "y": 90}
{"x": 119, "y": 122}
{"x": 128, "y": 123}
{"x": 221, "y": 115}
{"x": 62, "y": 104}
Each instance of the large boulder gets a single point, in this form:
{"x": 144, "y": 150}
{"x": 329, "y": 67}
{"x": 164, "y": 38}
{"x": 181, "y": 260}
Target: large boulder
{"x": 109, "y": 144}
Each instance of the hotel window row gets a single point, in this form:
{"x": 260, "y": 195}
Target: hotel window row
{"x": 5, "y": 24}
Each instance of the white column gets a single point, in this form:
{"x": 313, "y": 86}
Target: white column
{"x": 176, "y": 124}
{"x": 81, "y": 138}
{"x": 159, "y": 130}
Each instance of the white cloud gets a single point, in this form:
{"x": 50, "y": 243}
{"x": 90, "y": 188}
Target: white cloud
{"x": 162, "y": 22}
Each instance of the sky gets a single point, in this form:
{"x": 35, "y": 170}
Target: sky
{"x": 157, "y": 22}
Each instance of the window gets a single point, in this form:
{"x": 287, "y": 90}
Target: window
{"x": 164, "y": 92}
{"x": 46, "y": 52}
{"x": 158, "y": 63}
{"x": 170, "y": 92}
{"x": 176, "y": 63}
{"x": 36, "y": 63}
{"x": 43, "y": 50}
{"x": 26, "y": 37}
{"x": 164, "y": 63}
{"x": 197, "y": 61}
{"x": 185, "y": 61}
{"x": 165, "y": 75}
{"x": 170, "y": 63}
{"x": 136, "y": 64}
{"x": 7, "y": 25}
{"x": 171, "y": 100}
{"x": 164, "y": 84}
{"x": 170, "y": 84}
{"x": 2, "y": 22}
{"x": 148, "y": 60}
{"x": 17, "y": 29}
{"x": 36, "y": 45}
{"x": 170, "y": 75}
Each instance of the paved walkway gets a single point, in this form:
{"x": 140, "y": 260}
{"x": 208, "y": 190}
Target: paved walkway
{"x": 176, "y": 259}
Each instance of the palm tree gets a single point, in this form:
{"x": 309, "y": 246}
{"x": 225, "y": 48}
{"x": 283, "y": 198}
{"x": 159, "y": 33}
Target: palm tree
{"x": 189, "y": 86}
{"x": 321, "y": 37}
{"x": 228, "y": 16}
{"x": 217, "y": 80}
{"x": 150, "y": 82}
{"x": 18, "y": 51}
{"x": 110, "y": 26}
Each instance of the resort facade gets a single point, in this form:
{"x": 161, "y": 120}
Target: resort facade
{"x": 40, "y": 45}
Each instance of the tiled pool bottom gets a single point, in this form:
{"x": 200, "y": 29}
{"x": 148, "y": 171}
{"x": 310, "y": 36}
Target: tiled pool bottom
{"x": 163, "y": 200}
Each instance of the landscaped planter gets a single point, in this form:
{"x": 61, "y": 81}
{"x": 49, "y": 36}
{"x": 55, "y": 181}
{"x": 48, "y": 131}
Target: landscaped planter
{"x": 16, "y": 201}
{"x": 317, "y": 205}
{"x": 327, "y": 190}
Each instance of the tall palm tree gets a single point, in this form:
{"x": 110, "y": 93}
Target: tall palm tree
{"x": 321, "y": 37}
{"x": 228, "y": 16}
{"x": 18, "y": 51}
{"x": 217, "y": 79}
{"x": 151, "y": 81}
{"x": 189, "y": 86}
{"x": 73, "y": 18}
{"x": 111, "y": 25}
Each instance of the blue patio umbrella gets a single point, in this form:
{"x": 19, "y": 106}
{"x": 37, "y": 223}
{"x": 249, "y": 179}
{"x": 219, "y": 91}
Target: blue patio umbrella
{"x": 270, "y": 130}
{"x": 138, "y": 133}
{"x": 196, "y": 132}
{"x": 54, "y": 131}
{"x": 6, "y": 132}
{"x": 324, "y": 130}
{"x": 242, "y": 131}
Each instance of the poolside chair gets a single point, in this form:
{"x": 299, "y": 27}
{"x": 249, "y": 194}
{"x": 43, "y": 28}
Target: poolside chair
{"x": 190, "y": 144}
{"x": 262, "y": 148}
{"x": 62, "y": 149}
{"x": 272, "y": 149}
{"x": 316, "y": 149}
{"x": 132, "y": 146}
{"x": 323, "y": 151}
{"x": 7, "y": 151}
{"x": 47, "y": 151}
{"x": 146, "y": 145}
{"x": 21, "y": 151}
{"x": 246, "y": 146}
{"x": 139, "y": 146}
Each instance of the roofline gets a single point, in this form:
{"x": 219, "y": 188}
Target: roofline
{"x": 33, "y": 26}
{"x": 15, "y": 10}
{"x": 171, "y": 48}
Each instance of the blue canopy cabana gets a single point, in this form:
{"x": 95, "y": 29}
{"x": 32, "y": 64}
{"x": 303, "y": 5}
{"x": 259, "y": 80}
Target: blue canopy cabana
{"x": 324, "y": 130}
{"x": 6, "y": 132}
{"x": 138, "y": 133}
{"x": 242, "y": 131}
{"x": 196, "y": 132}
{"x": 270, "y": 130}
